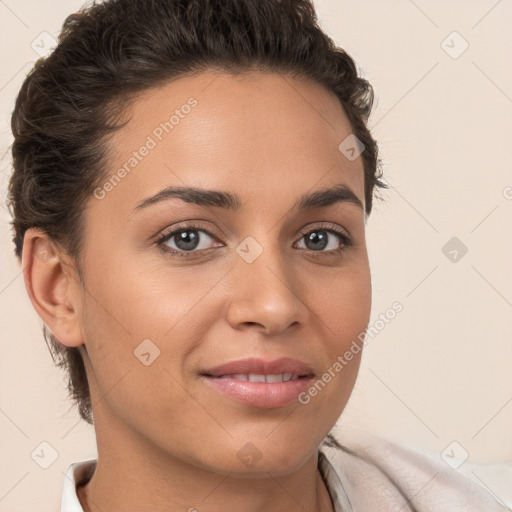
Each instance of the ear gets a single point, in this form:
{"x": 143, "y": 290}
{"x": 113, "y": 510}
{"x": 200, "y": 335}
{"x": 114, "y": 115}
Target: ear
{"x": 52, "y": 286}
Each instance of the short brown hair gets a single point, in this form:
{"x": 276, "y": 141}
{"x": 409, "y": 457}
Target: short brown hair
{"x": 107, "y": 53}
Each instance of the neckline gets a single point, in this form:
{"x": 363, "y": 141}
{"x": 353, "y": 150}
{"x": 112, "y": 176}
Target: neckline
{"x": 328, "y": 474}
{"x": 333, "y": 483}
{"x": 84, "y": 478}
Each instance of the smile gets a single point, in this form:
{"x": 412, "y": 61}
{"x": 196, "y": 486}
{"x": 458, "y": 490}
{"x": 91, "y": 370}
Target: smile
{"x": 256, "y": 377}
{"x": 259, "y": 390}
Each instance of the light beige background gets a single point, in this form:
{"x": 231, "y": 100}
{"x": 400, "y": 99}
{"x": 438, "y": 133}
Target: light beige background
{"x": 441, "y": 370}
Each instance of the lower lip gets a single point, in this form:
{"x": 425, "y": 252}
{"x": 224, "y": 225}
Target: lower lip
{"x": 265, "y": 395}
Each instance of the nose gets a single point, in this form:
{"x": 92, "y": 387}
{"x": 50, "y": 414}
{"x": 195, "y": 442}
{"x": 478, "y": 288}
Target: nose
{"x": 266, "y": 295}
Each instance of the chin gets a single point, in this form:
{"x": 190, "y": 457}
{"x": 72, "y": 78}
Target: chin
{"x": 257, "y": 459}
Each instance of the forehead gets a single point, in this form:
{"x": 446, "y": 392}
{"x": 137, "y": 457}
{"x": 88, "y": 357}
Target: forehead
{"x": 254, "y": 134}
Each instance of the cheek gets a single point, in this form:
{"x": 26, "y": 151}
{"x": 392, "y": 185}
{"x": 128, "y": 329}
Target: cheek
{"x": 344, "y": 310}
{"x": 342, "y": 307}
{"x": 134, "y": 371}
{"x": 345, "y": 305}
{"x": 127, "y": 299}
{"x": 131, "y": 311}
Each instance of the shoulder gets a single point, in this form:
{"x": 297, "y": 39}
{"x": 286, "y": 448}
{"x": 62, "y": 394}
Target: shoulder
{"x": 379, "y": 475}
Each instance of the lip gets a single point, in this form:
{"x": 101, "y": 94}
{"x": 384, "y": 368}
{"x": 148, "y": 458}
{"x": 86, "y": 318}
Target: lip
{"x": 261, "y": 366}
{"x": 264, "y": 395}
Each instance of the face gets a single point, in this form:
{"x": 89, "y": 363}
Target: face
{"x": 175, "y": 287}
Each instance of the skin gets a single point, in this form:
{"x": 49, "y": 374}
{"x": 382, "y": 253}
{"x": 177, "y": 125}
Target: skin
{"x": 166, "y": 440}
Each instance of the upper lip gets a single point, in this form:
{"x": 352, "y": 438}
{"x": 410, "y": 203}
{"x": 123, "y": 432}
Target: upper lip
{"x": 261, "y": 367}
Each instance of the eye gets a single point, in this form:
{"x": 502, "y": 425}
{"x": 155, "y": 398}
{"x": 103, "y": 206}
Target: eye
{"x": 183, "y": 240}
{"x": 331, "y": 241}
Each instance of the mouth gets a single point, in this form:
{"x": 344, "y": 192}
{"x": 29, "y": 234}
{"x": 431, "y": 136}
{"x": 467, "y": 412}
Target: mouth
{"x": 259, "y": 377}
{"x": 261, "y": 370}
{"x": 260, "y": 383}
{"x": 262, "y": 391}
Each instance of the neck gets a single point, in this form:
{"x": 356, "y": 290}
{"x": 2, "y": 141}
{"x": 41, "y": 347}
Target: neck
{"x": 138, "y": 478}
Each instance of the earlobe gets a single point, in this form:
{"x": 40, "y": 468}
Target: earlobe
{"x": 50, "y": 288}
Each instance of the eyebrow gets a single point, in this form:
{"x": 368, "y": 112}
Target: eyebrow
{"x": 221, "y": 199}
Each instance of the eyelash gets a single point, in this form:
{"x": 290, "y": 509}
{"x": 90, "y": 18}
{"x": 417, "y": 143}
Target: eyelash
{"x": 346, "y": 240}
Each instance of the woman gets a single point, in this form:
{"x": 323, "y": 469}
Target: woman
{"x": 191, "y": 187}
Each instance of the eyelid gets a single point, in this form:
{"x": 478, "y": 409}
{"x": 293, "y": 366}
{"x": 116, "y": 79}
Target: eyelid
{"x": 186, "y": 225}
{"x": 327, "y": 226}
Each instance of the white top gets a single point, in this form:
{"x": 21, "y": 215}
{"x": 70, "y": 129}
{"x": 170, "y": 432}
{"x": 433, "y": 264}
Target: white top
{"x": 382, "y": 477}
